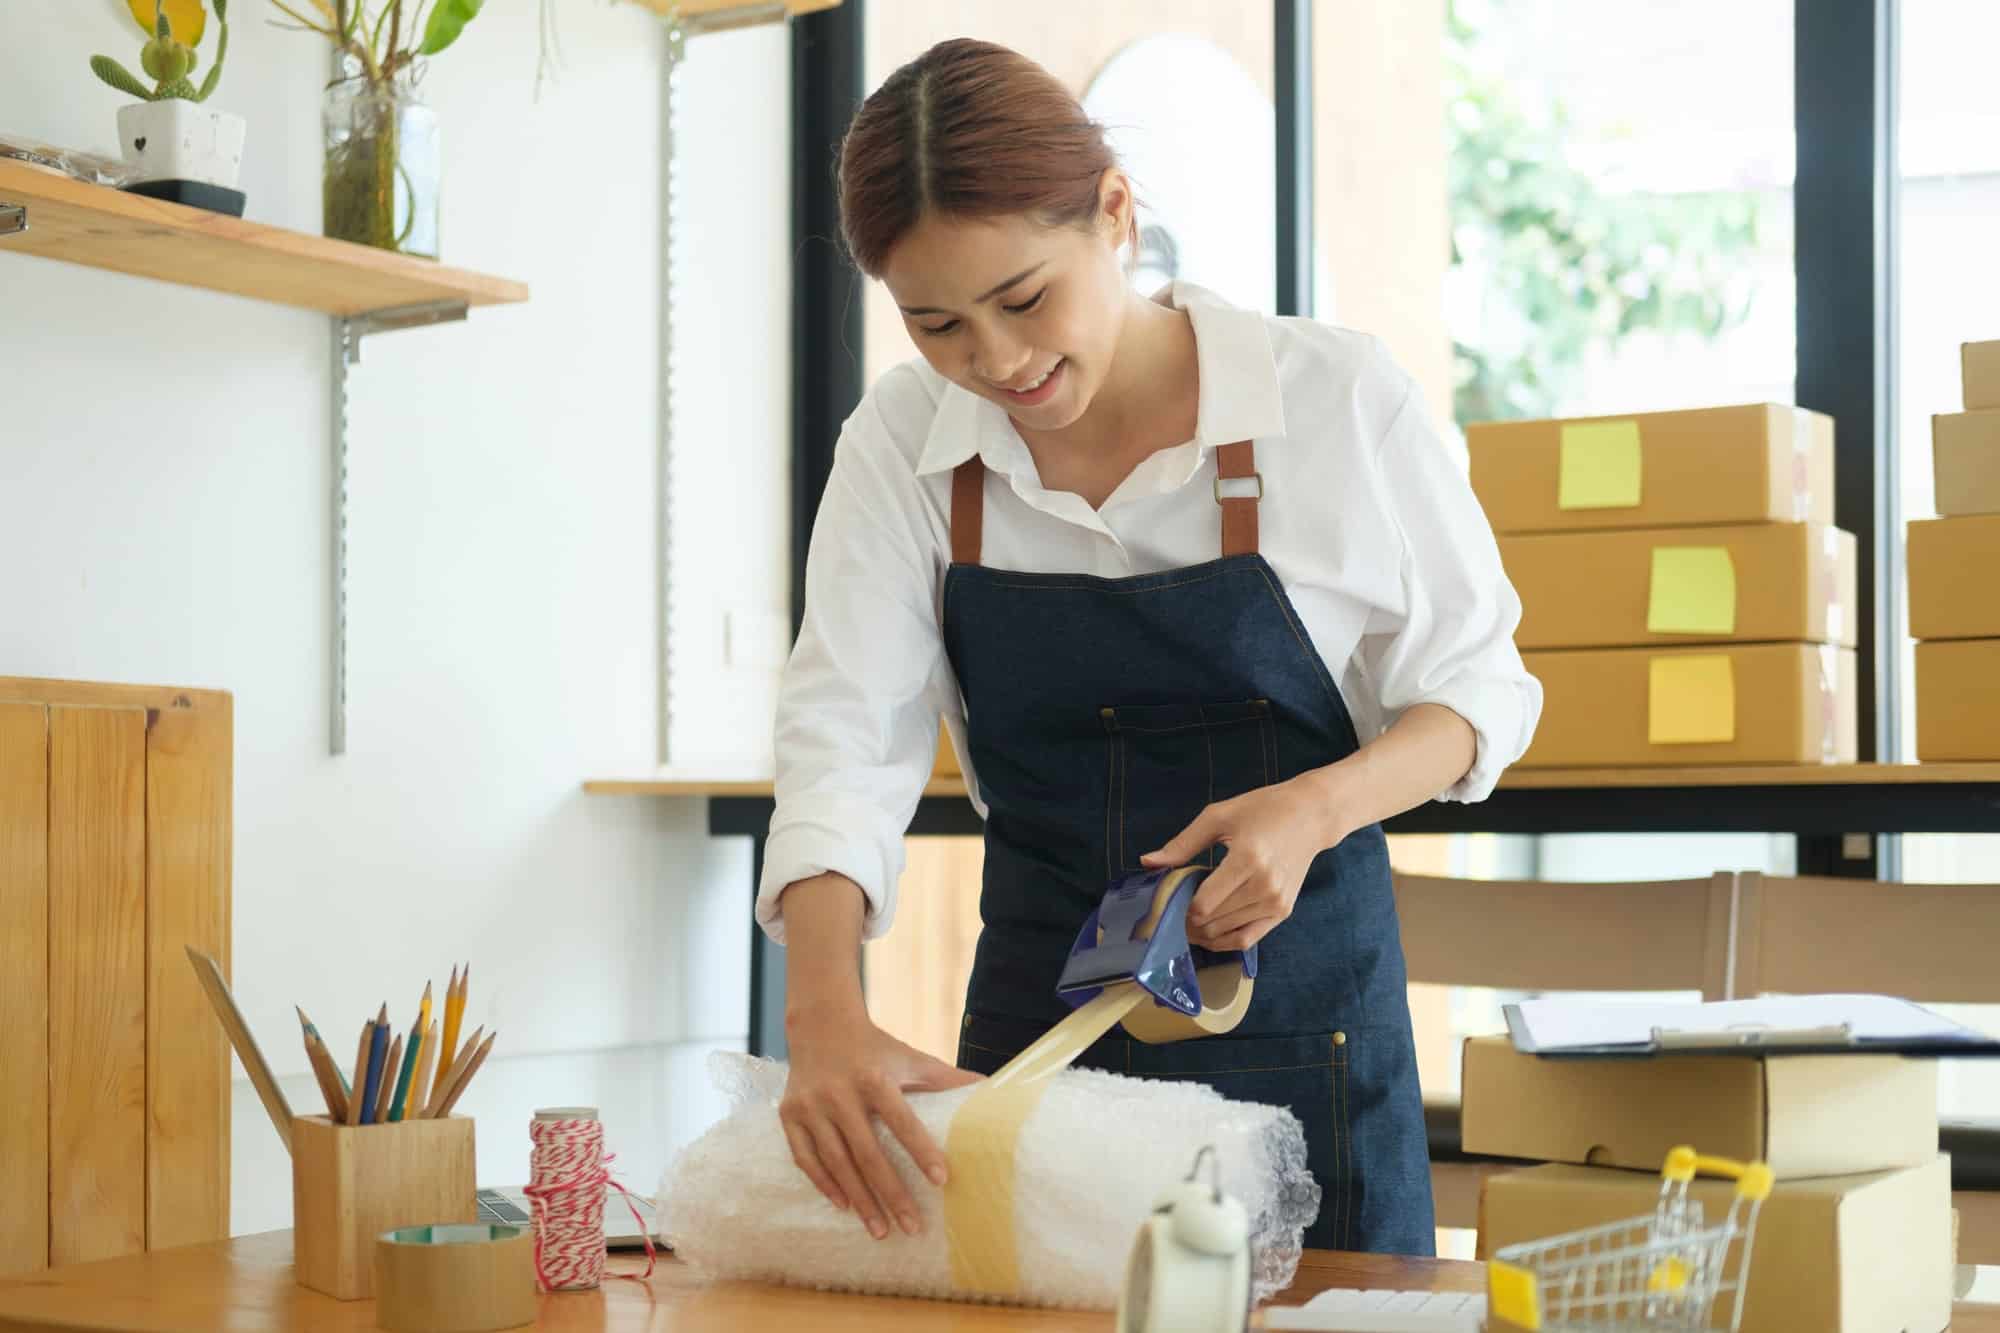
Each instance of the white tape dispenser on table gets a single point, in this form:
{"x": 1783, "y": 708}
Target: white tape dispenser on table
{"x": 1189, "y": 1271}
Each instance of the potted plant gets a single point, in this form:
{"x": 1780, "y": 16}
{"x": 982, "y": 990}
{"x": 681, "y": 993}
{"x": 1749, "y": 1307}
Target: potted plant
{"x": 182, "y": 150}
{"x": 383, "y": 161}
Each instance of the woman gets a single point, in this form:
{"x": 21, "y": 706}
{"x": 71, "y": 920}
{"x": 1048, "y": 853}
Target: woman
{"x": 1162, "y": 563}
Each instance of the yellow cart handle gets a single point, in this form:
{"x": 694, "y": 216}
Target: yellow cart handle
{"x": 1753, "y": 1179}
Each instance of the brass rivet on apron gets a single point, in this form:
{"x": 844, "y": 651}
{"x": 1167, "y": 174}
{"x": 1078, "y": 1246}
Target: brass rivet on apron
{"x": 1340, "y": 1039}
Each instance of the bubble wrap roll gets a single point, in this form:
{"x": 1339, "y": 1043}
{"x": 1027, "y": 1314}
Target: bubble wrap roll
{"x": 1093, "y": 1157}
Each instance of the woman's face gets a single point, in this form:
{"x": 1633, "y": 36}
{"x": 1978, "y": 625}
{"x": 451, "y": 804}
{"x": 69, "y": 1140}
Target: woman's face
{"x": 1021, "y": 313}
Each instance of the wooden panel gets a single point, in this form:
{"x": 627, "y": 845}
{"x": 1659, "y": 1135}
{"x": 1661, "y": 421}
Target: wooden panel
{"x": 916, "y": 974}
{"x": 188, "y": 782}
{"x": 100, "y": 227}
{"x": 24, "y": 988}
{"x": 97, "y": 983}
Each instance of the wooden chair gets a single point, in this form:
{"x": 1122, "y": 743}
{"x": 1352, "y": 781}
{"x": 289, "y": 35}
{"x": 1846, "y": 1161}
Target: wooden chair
{"x": 1928, "y": 942}
{"x": 1660, "y": 935}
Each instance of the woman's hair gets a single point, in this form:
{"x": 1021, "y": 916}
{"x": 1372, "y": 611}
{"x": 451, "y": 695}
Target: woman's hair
{"x": 966, "y": 130}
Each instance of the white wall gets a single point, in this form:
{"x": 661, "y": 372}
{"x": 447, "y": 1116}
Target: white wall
{"x": 164, "y": 518}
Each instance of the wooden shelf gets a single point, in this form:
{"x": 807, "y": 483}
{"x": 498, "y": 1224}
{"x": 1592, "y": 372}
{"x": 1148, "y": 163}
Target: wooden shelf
{"x": 713, "y": 9}
{"x": 100, "y": 227}
{"x": 1766, "y": 775}
{"x": 1533, "y": 779}
{"x": 696, "y": 787}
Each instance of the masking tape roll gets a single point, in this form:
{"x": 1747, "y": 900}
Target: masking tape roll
{"x": 986, "y": 1133}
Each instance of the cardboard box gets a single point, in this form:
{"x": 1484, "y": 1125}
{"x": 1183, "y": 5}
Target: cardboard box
{"x": 1965, "y": 462}
{"x": 1952, "y": 561}
{"x": 1759, "y": 583}
{"x": 1834, "y": 1254}
{"x": 1980, "y": 367}
{"x": 1958, "y": 706}
{"x": 1803, "y": 1115}
{"x": 1769, "y": 703}
{"x": 1759, "y": 463}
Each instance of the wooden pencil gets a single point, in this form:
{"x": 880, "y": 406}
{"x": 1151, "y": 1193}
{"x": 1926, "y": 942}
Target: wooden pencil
{"x": 360, "y": 1073}
{"x": 420, "y": 1087}
{"x": 454, "y": 1015}
{"x": 386, "y": 1093}
{"x": 465, "y": 1079}
{"x": 442, "y": 1088}
{"x": 322, "y": 1067}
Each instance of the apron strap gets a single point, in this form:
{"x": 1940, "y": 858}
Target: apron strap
{"x": 1235, "y": 462}
{"x": 968, "y": 510}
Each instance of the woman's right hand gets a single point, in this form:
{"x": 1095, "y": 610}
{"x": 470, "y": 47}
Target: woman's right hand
{"x": 845, "y": 1072}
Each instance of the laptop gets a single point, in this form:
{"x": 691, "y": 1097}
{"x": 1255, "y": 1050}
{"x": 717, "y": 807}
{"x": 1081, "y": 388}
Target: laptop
{"x": 510, "y": 1207}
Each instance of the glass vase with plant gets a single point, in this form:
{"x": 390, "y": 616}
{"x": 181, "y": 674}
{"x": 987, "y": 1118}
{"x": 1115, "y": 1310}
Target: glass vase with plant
{"x": 383, "y": 158}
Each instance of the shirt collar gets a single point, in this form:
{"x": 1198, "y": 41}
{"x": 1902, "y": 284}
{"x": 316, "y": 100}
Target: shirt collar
{"x": 1240, "y": 395}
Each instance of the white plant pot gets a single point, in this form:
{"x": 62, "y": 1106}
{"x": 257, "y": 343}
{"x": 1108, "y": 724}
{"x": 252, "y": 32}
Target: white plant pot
{"x": 181, "y": 140}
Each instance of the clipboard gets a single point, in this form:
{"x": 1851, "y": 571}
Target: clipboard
{"x": 1727, "y": 1034}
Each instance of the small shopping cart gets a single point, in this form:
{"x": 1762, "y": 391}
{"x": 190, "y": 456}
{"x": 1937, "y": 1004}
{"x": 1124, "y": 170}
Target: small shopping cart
{"x": 1662, "y": 1270}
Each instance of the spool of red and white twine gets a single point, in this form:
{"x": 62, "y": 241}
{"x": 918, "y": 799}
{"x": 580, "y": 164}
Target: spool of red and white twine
{"x": 568, "y": 1172}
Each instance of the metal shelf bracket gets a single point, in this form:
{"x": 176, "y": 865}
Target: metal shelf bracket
{"x": 348, "y": 331}
{"x": 13, "y": 218}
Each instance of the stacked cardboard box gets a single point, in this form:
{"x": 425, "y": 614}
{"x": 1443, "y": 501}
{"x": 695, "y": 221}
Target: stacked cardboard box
{"x": 1953, "y": 613}
{"x": 1685, "y": 596}
{"x": 1856, "y": 1237}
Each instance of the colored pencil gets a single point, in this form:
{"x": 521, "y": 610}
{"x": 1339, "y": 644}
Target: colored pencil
{"x": 458, "y": 1089}
{"x": 454, "y": 1015}
{"x": 406, "y": 1070}
{"x": 420, "y": 1087}
{"x": 406, "y": 1096}
{"x": 354, "y": 1097}
{"x": 323, "y": 1070}
{"x": 388, "y": 1084}
{"x": 442, "y": 1088}
{"x": 371, "y": 1090}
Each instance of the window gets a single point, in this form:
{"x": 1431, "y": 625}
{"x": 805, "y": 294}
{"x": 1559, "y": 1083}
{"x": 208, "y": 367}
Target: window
{"x": 1186, "y": 92}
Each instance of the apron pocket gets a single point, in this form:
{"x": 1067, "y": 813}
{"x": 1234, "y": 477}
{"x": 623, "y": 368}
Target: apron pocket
{"x": 1169, "y": 761}
{"x": 1306, "y": 1075}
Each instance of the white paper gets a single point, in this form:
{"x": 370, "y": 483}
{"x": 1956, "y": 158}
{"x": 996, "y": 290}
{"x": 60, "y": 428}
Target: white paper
{"x": 1560, "y": 1024}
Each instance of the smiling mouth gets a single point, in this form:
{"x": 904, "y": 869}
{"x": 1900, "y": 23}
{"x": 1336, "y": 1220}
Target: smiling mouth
{"x": 1031, "y": 387}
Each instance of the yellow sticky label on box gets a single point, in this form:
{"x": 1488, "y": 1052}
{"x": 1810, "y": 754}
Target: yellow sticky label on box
{"x": 1693, "y": 591}
{"x": 1599, "y": 465}
{"x": 1691, "y": 700}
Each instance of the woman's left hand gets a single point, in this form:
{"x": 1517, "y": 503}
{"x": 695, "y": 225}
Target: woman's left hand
{"x": 1272, "y": 835}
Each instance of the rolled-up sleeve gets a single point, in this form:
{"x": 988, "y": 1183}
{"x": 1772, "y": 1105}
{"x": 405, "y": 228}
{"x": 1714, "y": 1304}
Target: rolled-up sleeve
{"x": 1451, "y": 642}
{"x": 860, "y": 698}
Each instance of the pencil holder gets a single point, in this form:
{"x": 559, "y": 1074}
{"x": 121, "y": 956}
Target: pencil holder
{"x": 351, "y": 1183}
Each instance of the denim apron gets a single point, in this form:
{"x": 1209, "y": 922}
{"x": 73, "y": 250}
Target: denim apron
{"x": 1102, "y": 715}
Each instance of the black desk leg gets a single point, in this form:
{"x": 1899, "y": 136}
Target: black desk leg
{"x": 767, "y": 972}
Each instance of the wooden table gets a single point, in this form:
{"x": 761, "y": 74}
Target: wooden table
{"x": 246, "y": 1284}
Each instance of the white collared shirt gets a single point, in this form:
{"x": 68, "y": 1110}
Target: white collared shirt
{"x": 1367, "y": 519}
